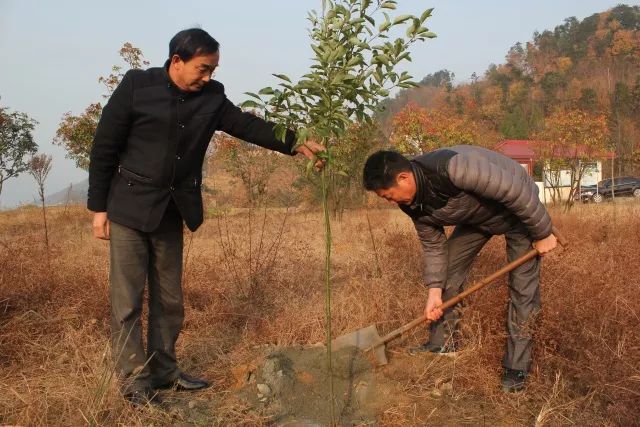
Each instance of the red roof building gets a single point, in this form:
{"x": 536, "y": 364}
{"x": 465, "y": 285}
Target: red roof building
{"x": 519, "y": 150}
{"x": 523, "y": 151}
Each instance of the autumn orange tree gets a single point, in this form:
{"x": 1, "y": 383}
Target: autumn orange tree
{"x": 417, "y": 130}
{"x": 75, "y": 133}
{"x": 573, "y": 139}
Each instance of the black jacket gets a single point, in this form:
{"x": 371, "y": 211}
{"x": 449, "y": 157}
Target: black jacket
{"x": 151, "y": 142}
{"x": 472, "y": 186}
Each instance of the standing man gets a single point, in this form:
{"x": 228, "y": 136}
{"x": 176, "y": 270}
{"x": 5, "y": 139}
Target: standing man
{"x": 145, "y": 175}
{"x": 482, "y": 193}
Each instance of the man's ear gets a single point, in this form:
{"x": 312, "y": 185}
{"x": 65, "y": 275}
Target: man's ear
{"x": 402, "y": 177}
{"x": 175, "y": 59}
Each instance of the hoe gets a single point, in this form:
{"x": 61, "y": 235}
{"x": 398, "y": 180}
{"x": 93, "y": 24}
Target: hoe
{"x": 368, "y": 339}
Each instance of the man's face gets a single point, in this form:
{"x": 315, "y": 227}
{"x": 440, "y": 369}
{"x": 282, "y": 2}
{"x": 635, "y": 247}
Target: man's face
{"x": 192, "y": 75}
{"x": 403, "y": 192}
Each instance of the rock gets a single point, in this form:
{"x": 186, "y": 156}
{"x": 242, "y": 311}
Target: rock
{"x": 277, "y": 373}
{"x": 264, "y": 389}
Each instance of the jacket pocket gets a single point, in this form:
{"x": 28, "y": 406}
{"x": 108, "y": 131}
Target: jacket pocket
{"x": 133, "y": 176}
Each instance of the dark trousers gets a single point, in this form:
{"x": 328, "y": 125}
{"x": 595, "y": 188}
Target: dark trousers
{"x": 138, "y": 258}
{"x": 524, "y": 291}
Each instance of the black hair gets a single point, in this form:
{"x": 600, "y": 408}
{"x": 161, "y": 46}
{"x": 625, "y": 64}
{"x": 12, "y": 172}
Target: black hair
{"x": 382, "y": 168}
{"x": 191, "y": 42}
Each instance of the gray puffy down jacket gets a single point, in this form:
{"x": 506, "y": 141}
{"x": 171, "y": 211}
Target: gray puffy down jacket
{"x": 472, "y": 186}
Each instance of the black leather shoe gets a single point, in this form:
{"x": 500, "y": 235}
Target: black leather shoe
{"x": 143, "y": 397}
{"x": 184, "y": 382}
{"x": 513, "y": 380}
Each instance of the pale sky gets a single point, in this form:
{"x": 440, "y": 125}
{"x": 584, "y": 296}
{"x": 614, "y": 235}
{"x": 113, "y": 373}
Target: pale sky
{"x": 54, "y": 51}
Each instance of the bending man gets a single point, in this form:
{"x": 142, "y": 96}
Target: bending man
{"x": 482, "y": 193}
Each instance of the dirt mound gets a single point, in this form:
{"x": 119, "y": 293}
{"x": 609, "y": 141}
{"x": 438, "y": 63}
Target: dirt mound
{"x": 291, "y": 385}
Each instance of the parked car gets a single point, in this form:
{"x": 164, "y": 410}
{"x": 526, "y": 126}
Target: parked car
{"x": 623, "y": 186}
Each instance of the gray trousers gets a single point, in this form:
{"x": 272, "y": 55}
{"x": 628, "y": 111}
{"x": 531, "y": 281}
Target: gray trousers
{"x": 138, "y": 258}
{"x": 524, "y": 291}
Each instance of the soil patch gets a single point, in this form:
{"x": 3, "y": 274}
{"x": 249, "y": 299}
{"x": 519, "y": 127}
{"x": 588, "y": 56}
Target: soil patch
{"x": 292, "y": 386}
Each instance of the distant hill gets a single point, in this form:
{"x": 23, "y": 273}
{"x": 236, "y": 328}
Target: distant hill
{"x": 591, "y": 65}
{"x": 72, "y": 194}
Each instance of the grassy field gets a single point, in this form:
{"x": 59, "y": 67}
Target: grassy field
{"x": 242, "y": 294}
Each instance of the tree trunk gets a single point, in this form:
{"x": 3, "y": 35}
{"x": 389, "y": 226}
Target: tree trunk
{"x": 44, "y": 215}
{"x": 613, "y": 190}
{"x": 327, "y": 272}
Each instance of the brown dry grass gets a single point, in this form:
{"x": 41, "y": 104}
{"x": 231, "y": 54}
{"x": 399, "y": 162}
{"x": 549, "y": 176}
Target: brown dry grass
{"x": 54, "y": 359}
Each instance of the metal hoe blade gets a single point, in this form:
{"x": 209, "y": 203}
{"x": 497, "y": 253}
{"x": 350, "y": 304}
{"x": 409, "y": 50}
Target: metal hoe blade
{"x": 363, "y": 339}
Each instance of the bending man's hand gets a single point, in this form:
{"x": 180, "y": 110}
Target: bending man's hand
{"x": 100, "y": 226}
{"x": 434, "y": 301}
{"x": 545, "y": 245}
{"x": 309, "y": 150}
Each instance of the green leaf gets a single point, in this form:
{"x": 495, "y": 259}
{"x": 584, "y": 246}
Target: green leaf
{"x": 253, "y": 95}
{"x": 302, "y": 135}
{"x": 388, "y": 5}
{"x": 384, "y": 26}
{"x": 384, "y": 59}
{"x": 325, "y": 155}
{"x": 411, "y": 30}
{"x": 405, "y": 55}
{"x": 249, "y": 103}
{"x": 354, "y": 61}
{"x": 378, "y": 75}
{"x": 282, "y": 77}
{"x": 425, "y": 14}
{"x": 266, "y": 91}
{"x": 429, "y": 34}
{"x": 309, "y": 168}
{"x": 337, "y": 79}
{"x": 402, "y": 18}
{"x": 280, "y": 131}
{"x": 317, "y": 50}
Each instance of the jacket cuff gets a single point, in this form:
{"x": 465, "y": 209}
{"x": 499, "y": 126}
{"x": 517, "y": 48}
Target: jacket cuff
{"x": 436, "y": 285}
{"x": 96, "y": 205}
{"x": 538, "y": 234}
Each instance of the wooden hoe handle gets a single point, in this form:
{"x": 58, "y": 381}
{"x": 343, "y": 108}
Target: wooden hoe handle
{"x": 473, "y": 288}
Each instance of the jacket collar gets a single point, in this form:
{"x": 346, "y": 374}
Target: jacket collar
{"x": 170, "y": 84}
{"x": 421, "y": 185}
